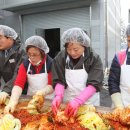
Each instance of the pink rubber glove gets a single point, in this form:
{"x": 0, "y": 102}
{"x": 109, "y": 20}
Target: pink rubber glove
{"x": 59, "y": 92}
{"x": 73, "y": 105}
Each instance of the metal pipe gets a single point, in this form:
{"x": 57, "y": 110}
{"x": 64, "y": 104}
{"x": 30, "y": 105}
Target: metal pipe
{"x": 106, "y": 36}
{"x": 21, "y": 28}
{"x": 90, "y": 27}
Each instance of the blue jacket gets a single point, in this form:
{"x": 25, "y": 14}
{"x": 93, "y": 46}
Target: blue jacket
{"x": 115, "y": 71}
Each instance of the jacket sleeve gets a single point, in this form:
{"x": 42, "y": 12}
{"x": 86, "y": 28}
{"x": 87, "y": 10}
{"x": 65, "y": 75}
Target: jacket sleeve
{"x": 49, "y": 71}
{"x": 50, "y": 78}
{"x": 21, "y": 77}
{"x": 114, "y": 76}
{"x": 8, "y": 86}
{"x": 95, "y": 73}
{"x": 58, "y": 70}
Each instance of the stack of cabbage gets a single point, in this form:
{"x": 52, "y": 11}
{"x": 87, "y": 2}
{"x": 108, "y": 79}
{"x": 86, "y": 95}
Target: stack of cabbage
{"x": 8, "y": 122}
{"x": 88, "y": 118}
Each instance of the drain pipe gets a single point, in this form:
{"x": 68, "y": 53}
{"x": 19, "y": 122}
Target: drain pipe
{"x": 21, "y": 28}
{"x": 106, "y": 36}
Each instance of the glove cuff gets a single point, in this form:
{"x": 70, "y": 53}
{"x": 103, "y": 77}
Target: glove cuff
{"x": 48, "y": 90}
{"x": 16, "y": 93}
{"x": 59, "y": 90}
{"x": 87, "y": 93}
{"x": 117, "y": 100}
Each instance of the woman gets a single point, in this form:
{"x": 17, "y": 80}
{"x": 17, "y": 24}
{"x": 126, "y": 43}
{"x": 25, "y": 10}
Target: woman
{"x": 77, "y": 72}
{"x": 119, "y": 77}
{"x": 35, "y": 70}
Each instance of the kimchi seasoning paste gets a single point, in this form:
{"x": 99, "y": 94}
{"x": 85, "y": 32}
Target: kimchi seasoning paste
{"x": 74, "y": 126}
{"x": 25, "y": 117}
{"x": 117, "y": 125}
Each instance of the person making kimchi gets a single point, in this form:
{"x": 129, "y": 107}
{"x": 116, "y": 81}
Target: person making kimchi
{"x": 77, "y": 73}
{"x": 118, "y": 82}
{"x": 36, "y": 71}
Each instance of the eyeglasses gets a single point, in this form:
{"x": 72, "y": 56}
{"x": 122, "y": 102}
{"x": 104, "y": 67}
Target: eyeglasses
{"x": 33, "y": 55}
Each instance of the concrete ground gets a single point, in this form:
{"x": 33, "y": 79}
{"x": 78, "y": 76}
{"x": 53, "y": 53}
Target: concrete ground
{"x": 105, "y": 99}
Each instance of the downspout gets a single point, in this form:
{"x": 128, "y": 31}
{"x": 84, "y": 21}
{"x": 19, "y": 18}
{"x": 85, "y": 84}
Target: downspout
{"x": 106, "y": 36}
{"x": 21, "y": 28}
{"x": 129, "y": 16}
{"x": 90, "y": 27}
{"x": 115, "y": 30}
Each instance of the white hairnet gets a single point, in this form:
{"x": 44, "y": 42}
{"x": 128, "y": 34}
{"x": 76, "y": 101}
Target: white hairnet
{"x": 128, "y": 30}
{"x": 76, "y": 35}
{"x": 8, "y": 32}
{"x": 37, "y": 41}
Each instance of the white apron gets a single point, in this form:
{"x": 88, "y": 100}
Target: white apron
{"x": 125, "y": 83}
{"x": 37, "y": 82}
{"x": 76, "y": 80}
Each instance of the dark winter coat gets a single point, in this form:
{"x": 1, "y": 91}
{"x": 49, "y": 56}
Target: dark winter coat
{"x": 91, "y": 61}
{"x": 9, "y": 64}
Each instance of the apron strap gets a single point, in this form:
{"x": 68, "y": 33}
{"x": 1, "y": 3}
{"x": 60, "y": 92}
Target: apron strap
{"x": 67, "y": 61}
{"x": 83, "y": 63}
{"x": 45, "y": 67}
{"x": 125, "y": 60}
{"x": 28, "y": 68}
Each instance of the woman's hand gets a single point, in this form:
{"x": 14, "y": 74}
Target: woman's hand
{"x": 72, "y": 108}
{"x": 56, "y": 104}
{"x": 3, "y": 96}
{"x": 10, "y": 107}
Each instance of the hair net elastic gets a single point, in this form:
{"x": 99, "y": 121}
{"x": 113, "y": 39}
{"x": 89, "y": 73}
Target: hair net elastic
{"x": 8, "y": 32}
{"x": 128, "y": 30}
{"x": 37, "y": 41}
{"x": 76, "y": 35}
